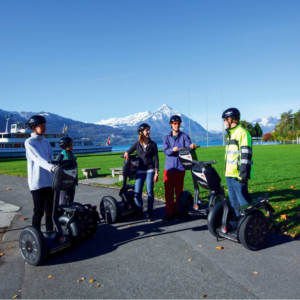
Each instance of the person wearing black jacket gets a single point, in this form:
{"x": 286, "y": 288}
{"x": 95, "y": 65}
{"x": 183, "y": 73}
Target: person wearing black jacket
{"x": 148, "y": 169}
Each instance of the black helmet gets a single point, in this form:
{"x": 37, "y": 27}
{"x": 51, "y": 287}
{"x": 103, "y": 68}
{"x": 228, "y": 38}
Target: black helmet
{"x": 175, "y": 119}
{"x": 142, "y": 127}
{"x": 233, "y": 113}
{"x": 37, "y": 119}
{"x": 65, "y": 142}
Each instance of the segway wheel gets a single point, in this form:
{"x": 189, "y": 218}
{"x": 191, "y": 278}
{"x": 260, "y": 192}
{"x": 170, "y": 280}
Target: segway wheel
{"x": 254, "y": 231}
{"x": 185, "y": 203}
{"x": 72, "y": 229}
{"x": 214, "y": 218}
{"x": 109, "y": 209}
{"x": 88, "y": 224}
{"x": 32, "y": 245}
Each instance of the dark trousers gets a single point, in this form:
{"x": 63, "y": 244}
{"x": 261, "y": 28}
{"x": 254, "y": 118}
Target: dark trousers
{"x": 63, "y": 196}
{"x": 43, "y": 201}
{"x": 173, "y": 181}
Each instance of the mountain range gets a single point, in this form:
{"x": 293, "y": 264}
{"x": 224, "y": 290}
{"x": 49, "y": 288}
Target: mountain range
{"x": 158, "y": 120}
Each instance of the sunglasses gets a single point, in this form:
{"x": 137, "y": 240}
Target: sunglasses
{"x": 176, "y": 123}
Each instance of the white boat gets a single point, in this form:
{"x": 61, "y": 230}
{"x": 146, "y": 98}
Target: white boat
{"x": 12, "y": 143}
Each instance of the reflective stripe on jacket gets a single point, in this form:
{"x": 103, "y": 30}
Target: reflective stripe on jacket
{"x": 238, "y": 154}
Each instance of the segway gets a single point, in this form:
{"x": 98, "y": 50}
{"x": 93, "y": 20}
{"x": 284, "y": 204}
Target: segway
{"x": 35, "y": 246}
{"x": 201, "y": 172}
{"x": 110, "y": 209}
{"x": 86, "y": 215}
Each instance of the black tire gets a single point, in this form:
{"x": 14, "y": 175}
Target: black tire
{"x": 254, "y": 231}
{"x": 88, "y": 223}
{"x": 214, "y": 218}
{"x": 32, "y": 246}
{"x": 109, "y": 209}
{"x": 213, "y": 199}
{"x": 72, "y": 230}
{"x": 185, "y": 202}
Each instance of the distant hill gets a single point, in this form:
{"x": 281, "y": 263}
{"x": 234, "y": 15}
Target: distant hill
{"x": 55, "y": 123}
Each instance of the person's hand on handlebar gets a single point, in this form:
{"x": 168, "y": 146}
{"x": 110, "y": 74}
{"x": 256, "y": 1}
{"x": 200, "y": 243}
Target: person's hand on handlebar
{"x": 126, "y": 155}
{"x": 193, "y": 146}
{"x": 53, "y": 168}
{"x": 175, "y": 149}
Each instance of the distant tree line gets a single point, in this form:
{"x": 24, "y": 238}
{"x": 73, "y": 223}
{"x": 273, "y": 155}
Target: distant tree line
{"x": 288, "y": 128}
{"x": 255, "y": 131}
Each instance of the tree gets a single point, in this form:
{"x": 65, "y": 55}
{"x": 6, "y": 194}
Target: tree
{"x": 267, "y": 137}
{"x": 258, "y": 130}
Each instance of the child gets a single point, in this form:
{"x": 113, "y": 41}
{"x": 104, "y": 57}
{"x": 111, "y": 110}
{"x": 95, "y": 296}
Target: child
{"x": 66, "y": 144}
{"x": 38, "y": 153}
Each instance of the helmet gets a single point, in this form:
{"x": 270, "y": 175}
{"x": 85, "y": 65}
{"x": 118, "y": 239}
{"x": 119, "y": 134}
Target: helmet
{"x": 65, "y": 142}
{"x": 37, "y": 119}
{"x": 233, "y": 113}
{"x": 175, "y": 119}
{"x": 142, "y": 127}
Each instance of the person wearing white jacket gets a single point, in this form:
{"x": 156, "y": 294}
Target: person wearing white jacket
{"x": 38, "y": 153}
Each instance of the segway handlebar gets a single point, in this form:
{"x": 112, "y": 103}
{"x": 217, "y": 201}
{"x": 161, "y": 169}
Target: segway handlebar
{"x": 55, "y": 162}
{"x": 189, "y": 148}
{"x": 211, "y": 162}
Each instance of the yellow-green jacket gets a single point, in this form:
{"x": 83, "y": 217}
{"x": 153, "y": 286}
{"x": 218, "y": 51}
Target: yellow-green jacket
{"x": 238, "y": 154}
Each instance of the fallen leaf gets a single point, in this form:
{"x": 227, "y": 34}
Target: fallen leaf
{"x": 20, "y": 291}
{"x": 292, "y": 187}
{"x": 296, "y": 260}
{"x": 190, "y": 259}
{"x": 92, "y": 280}
{"x": 15, "y": 296}
{"x": 128, "y": 225}
{"x": 50, "y": 276}
{"x": 285, "y": 232}
{"x": 98, "y": 284}
{"x": 200, "y": 246}
{"x": 293, "y": 201}
{"x": 284, "y": 217}
{"x": 219, "y": 247}
{"x": 204, "y": 296}
{"x": 82, "y": 278}
{"x": 152, "y": 237}
{"x": 228, "y": 248}
{"x": 10, "y": 247}
{"x": 185, "y": 250}
{"x": 255, "y": 272}
{"x": 8, "y": 190}
{"x": 23, "y": 219}
{"x": 79, "y": 280}
{"x": 1, "y": 254}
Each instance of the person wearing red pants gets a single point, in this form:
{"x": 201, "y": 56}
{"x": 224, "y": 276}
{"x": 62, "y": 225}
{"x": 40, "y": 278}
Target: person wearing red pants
{"x": 173, "y": 170}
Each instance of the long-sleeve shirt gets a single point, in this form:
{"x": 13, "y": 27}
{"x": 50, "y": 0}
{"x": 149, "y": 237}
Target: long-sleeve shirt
{"x": 38, "y": 153}
{"x": 147, "y": 159}
{"x": 172, "y": 163}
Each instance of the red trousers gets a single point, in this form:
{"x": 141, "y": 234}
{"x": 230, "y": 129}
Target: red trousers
{"x": 173, "y": 181}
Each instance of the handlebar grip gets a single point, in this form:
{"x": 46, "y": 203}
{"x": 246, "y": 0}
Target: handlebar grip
{"x": 211, "y": 162}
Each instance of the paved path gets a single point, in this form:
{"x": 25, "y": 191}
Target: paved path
{"x": 145, "y": 260}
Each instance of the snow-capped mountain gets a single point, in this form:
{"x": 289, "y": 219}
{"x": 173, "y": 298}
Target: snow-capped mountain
{"x": 158, "y": 120}
{"x": 267, "y": 124}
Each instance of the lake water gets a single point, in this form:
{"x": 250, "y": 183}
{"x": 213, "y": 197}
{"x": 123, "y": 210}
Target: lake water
{"x": 124, "y": 148}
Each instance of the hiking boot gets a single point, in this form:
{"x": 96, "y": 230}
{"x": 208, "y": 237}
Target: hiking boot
{"x": 140, "y": 215}
{"x": 177, "y": 217}
{"x": 150, "y": 216}
{"x": 168, "y": 218}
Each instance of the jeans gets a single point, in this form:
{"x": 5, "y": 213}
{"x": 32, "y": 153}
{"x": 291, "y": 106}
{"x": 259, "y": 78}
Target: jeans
{"x": 238, "y": 193}
{"x": 139, "y": 184}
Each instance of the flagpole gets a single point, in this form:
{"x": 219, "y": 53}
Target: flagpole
{"x": 189, "y": 114}
{"x": 206, "y": 119}
{"x": 222, "y": 119}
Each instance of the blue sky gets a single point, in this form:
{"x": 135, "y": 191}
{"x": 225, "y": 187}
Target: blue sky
{"x": 92, "y": 60}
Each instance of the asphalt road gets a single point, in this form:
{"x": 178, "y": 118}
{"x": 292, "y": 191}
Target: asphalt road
{"x": 145, "y": 260}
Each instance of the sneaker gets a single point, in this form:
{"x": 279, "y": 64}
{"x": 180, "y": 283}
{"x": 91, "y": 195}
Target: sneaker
{"x": 177, "y": 217}
{"x": 168, "y": 218}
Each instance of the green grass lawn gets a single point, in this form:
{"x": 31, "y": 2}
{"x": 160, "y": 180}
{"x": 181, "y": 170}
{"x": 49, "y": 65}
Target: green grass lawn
{"x": 276, "y": 175}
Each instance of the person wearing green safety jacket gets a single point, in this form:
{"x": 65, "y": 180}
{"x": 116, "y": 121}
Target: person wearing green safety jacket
{"x": 238, "y": 159}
